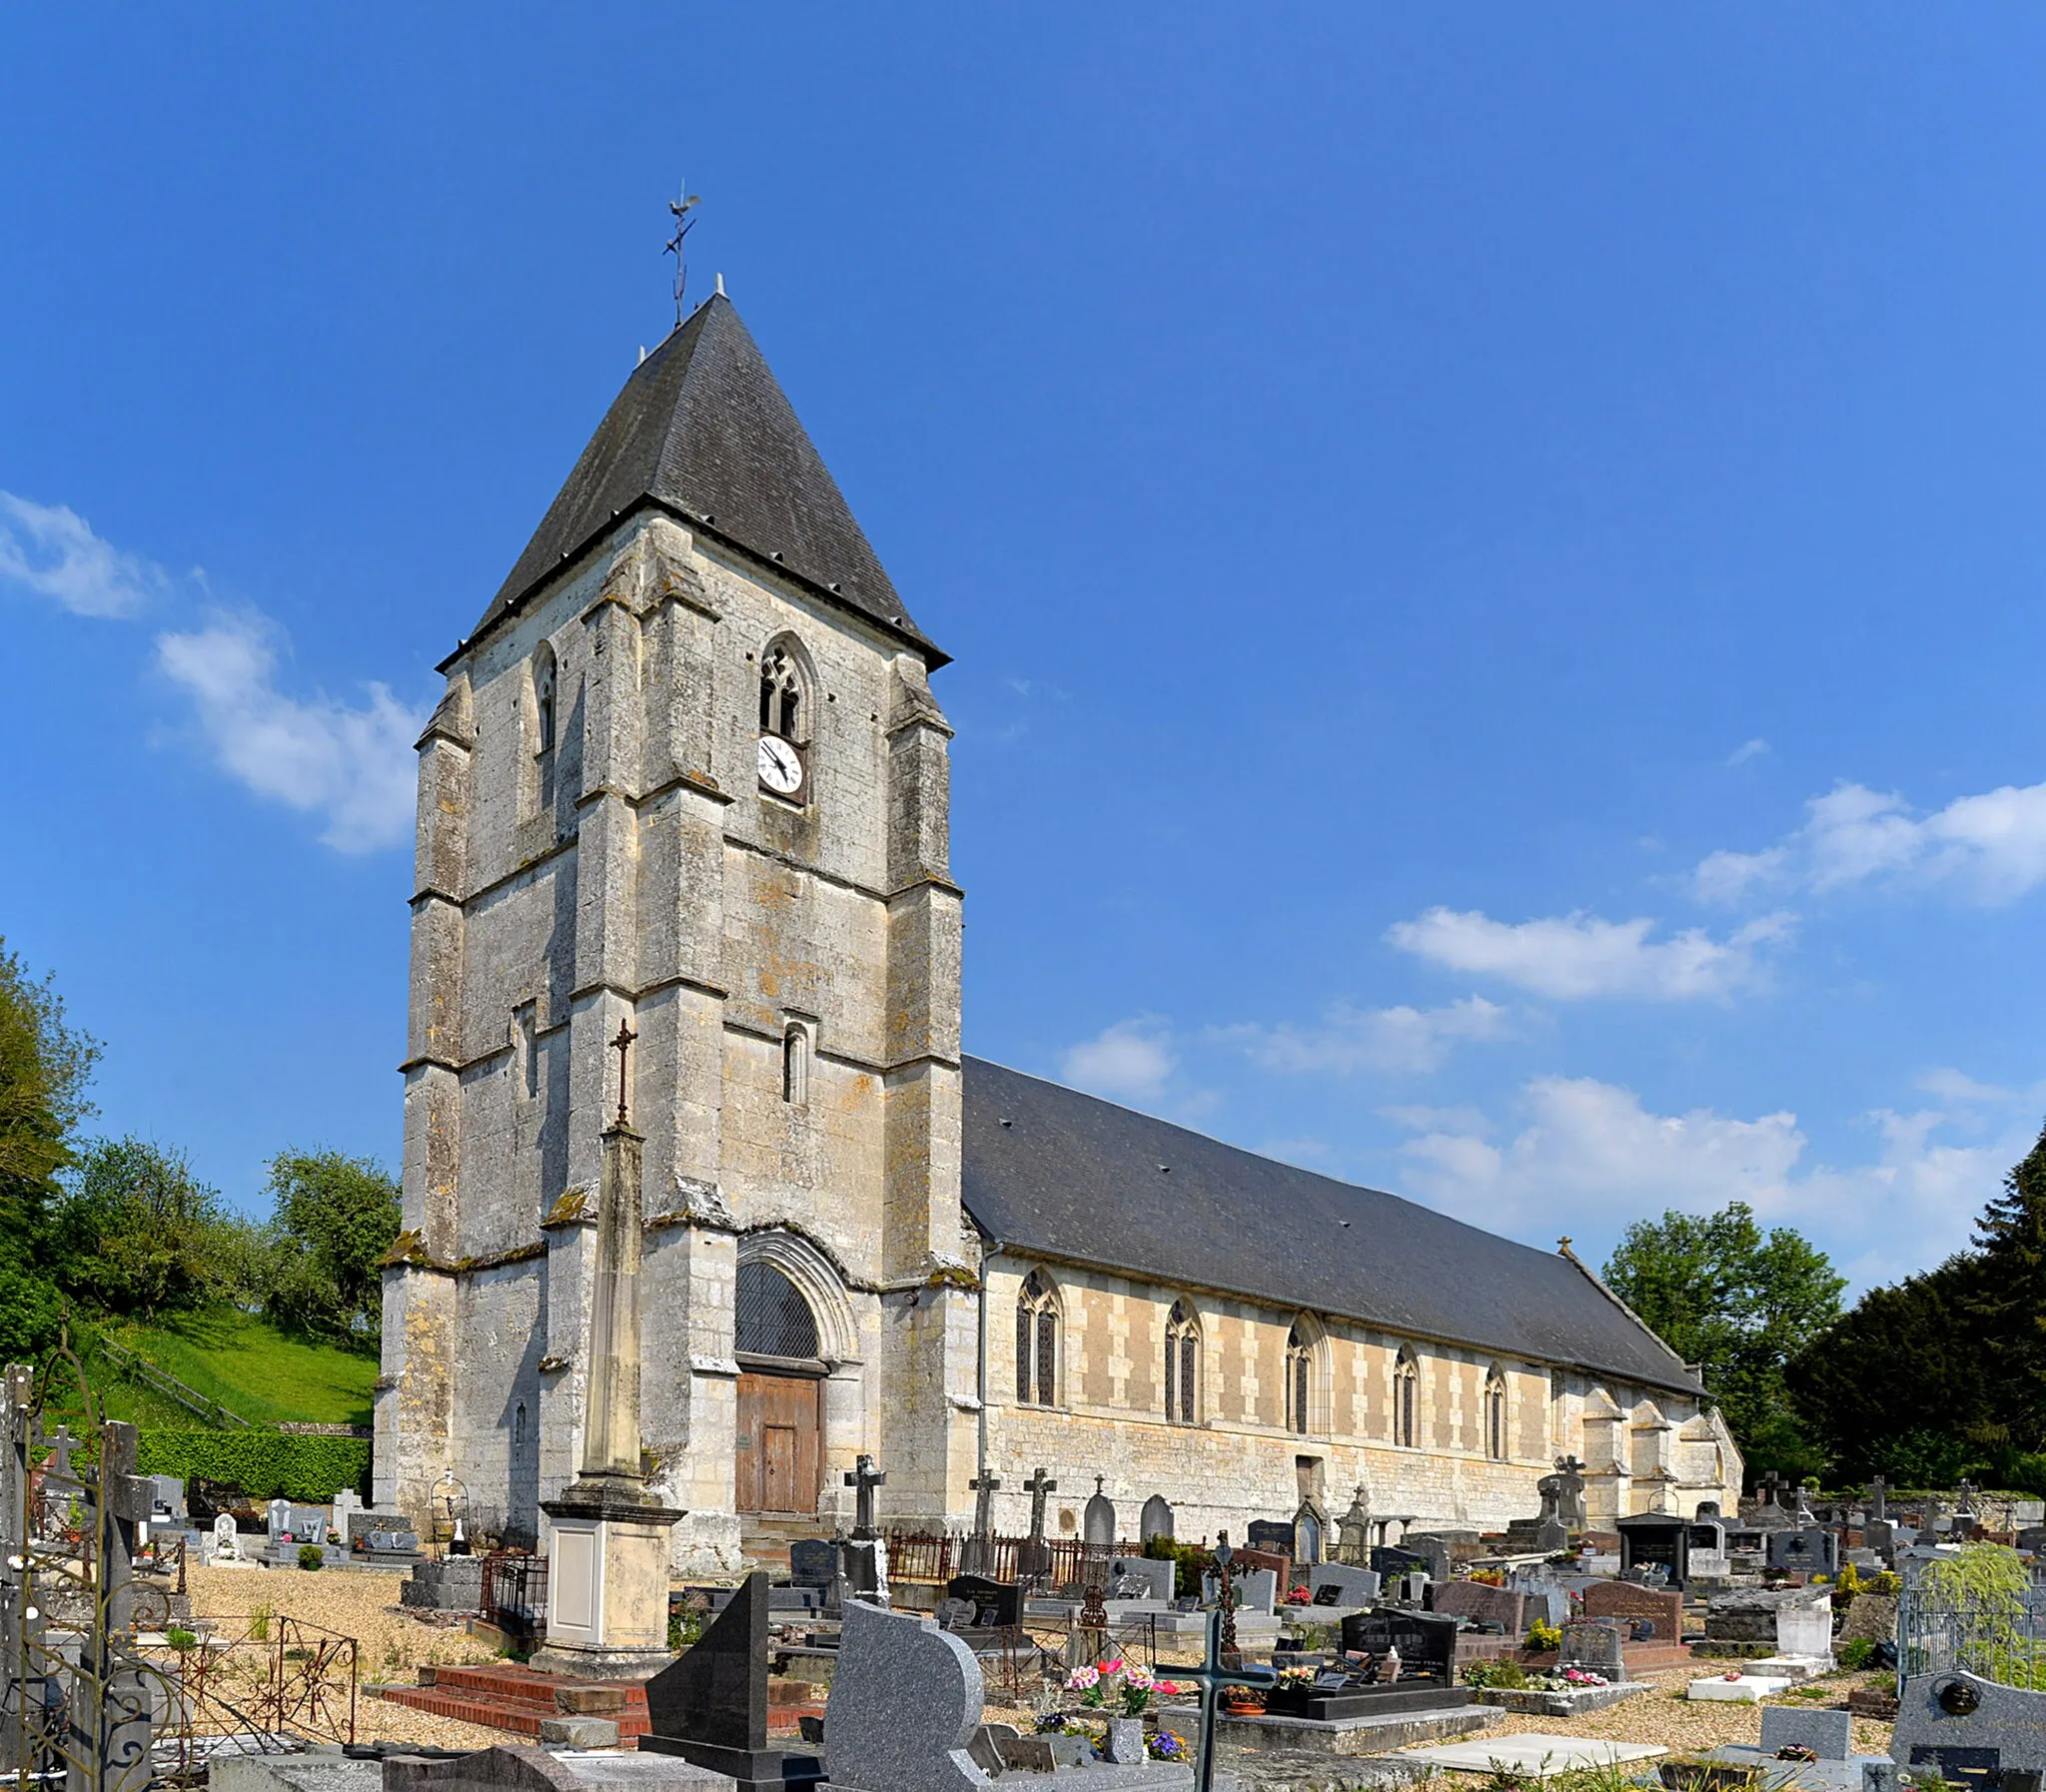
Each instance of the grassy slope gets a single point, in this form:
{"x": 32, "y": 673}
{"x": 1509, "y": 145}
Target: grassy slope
{"x": 250, "y": 1367}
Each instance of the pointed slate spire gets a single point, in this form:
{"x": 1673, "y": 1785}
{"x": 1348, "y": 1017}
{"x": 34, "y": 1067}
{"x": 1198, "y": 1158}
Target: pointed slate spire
{"x": 703, "y": 427}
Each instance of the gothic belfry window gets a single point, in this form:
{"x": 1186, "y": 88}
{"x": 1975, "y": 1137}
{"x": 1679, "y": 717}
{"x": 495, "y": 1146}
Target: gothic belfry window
{"x": 784, "y": 706}
{"x": 1037, "y": 1343}
{"x": 1182, "y": 1365}
{"x": 543, "y": 699}
{"x": 795, "y": 1065}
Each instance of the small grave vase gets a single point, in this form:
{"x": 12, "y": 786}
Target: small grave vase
{"x": 1126, "y": 1741}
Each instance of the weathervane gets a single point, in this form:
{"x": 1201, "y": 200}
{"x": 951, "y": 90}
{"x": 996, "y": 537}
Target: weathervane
{"x": 680, "y": 208}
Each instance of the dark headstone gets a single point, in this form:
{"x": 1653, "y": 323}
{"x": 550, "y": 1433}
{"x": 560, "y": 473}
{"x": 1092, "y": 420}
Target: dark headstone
{"x": 994, "y": 1603}
{"x": 1425, "y": 1642}
{"x": 1805, "y": 1550}
{"x": 1657, "y": 1541}
{"x": 1390, "y": 1564}
{"x": 1272, "y": 1535}
{"x": 1156, "y": 1521}
{"x": 710, "y": 1705}
{"x": 813, "y": 1562}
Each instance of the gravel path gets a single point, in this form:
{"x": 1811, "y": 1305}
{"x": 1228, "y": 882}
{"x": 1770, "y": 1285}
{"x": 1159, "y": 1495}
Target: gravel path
{"x": 391, "y": 1644}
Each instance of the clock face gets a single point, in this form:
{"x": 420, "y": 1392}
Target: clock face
{"x": 781, "y": 766}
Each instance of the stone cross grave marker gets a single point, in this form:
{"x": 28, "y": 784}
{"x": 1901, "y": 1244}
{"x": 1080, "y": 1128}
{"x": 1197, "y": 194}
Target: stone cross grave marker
{"x": 979, "y": 1555}
{"x": 1569, "y": 1504}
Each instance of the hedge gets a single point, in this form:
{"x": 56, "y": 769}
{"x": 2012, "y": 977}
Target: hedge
{"x": 264, "y": 1465}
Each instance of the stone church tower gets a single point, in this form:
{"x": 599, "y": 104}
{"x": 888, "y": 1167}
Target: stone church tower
{"x": 688, "y": 775}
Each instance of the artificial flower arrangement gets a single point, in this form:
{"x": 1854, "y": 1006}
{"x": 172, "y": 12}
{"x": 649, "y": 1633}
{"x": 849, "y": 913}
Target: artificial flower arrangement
{"x": 1299, "y": 1595}
{"x": 1295, "y": 1676}
{"x": 1128, "y": 1684}
{"x": 1168, "y": 1745}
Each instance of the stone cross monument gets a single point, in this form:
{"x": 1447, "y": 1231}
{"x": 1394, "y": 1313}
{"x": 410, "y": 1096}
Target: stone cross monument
{"x": 1034, "y": 1558}
{"x": 979, "y": 1556}
{"x": 608, "y": 1542}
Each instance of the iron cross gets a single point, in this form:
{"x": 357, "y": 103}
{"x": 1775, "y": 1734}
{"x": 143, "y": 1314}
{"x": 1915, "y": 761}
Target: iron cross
{"x": 865, "y": 1479}
{"x": 622, "y": 1045}
{"x": 1214, "y": 1673}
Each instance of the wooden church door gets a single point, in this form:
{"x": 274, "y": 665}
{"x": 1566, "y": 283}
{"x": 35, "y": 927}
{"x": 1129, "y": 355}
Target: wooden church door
{"x": 781, "y": 1387}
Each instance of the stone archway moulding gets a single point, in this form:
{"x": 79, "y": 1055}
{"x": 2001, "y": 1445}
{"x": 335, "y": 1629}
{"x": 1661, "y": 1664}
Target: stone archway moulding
{"x": 817, "y": 1278}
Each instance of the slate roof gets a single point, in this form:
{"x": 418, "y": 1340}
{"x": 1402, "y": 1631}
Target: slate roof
{"x": 702, "y": 426}
{"x": 1070, "y": 1176}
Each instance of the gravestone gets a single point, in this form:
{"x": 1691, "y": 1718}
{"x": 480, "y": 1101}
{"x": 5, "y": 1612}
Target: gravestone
{"x": 1657, "y": 1541}
{"x": 812, "y": 1561}
{"x": 1425, "y": 1642}
{"x": 1544, "y": 1598}
{"x": 905, "y": 1701}
{"x": 1033, "y": 1555}
{"x": 1273, "y": 1535}
{"x": 1156, "y": 1519}
{"x": 1971, "y": 1731}
{"x": 710, "y": 1704}
{"x": 1829, "y": 1734}
{"x": 280, "y": 1517}
{"x": 1390, "y": 1564}
{"x": 1435, "y": 1549}
{"x": 227, "y": 1542}
{"x": 347, "y": 1502}
{"x": 169, "y": 1499}
{"x": 1481, "y": 1604}
{"x": 1352, "y": 1587}
{"x": 1257, "y": 1591}
{"x": 1805, "y": 1550}
{"x": 990, "y": 1604}
{"x": 1662, "y": 1611}
{"x": 1353, "y": 1529}
{"x": 1147, "y": 1580}
{"x": 1805, "y": 1627}
{"x": 1593, "y": 1646}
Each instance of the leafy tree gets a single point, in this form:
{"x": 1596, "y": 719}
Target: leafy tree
{"x": 44, "y": 1069}
{"x": 1739, "y": 1303}
{"x": 138, "y": 1233}
{"x": 2007, "y": 1301}
{"x": 334, "y": 1218}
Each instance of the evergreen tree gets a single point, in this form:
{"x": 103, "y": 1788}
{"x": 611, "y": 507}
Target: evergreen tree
{"x": 2007, "y": 1305}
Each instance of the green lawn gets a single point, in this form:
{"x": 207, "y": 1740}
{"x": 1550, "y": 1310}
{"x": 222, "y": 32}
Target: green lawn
{"x": 249, "y": 1367}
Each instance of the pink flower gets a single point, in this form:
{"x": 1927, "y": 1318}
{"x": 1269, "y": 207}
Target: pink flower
{"x": 1081, "y": 1678}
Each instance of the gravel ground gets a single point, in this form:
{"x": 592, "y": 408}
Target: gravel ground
{"x": 1665, "y": 1717}
{"x": 391, "y": 1644}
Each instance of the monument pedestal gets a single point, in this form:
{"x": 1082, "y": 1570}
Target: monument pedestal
{"x": 606, "y": 1585}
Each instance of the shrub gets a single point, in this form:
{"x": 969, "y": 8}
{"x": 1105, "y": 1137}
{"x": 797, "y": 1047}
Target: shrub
{"x": 1543, "y": 1637}
{"x": 1857, "y": 1653}
{"x": 264, "y": 1465}
{"x": 310, "y": 1556}
{"x": 181, "y": 1640}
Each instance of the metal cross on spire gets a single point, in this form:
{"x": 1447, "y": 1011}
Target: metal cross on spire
{"x": 621, "y": 1043}
{"x": 680, "y": 209}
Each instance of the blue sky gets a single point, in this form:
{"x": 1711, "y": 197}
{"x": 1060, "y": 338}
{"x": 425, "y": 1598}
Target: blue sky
{"x": 1493, "y": 552}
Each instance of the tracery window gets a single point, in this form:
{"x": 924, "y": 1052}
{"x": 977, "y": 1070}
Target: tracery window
{"x": 1299, "y": 1380}
{"x": 1182, "y": 1365}
{"x": 1495, "y": 1416}
{"x": 783, "y": 710}
{"x": 1406, "y": 1400}
{"x": 1037, "y": 1343}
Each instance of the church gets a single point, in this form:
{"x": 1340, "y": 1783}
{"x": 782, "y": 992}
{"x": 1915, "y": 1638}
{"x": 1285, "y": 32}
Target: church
{"x": 689, "y": 779}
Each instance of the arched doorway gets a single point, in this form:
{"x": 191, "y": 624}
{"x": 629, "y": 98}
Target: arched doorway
{"x": 782, "y": 1383}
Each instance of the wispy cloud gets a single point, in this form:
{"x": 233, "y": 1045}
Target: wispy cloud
{"x": 350, "y": 764}
{"x": 1989, "y": 848}
{"x": 1577, "y": 956}
{"x": 1130, "y": 1058}
{"x": 1747, "y": 751}
{"x": 1350, "y": 1039}
{"x": 1589, "y": 1156}
{"x": 51, "y": 551}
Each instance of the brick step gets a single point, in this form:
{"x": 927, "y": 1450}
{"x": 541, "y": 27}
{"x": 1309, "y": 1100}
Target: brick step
{"x": 496, "y": 1714}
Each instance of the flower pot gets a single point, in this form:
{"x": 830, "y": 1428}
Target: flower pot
{"x": 1126, "y": 1741}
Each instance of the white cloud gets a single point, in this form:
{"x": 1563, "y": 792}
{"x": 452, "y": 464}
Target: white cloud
{"x": 1130, "y": 1058}
{"x": 1572, "y": 957}
{"x": 352, "y": 766}
{"x": 1991, "y": 847}
{"x": 1589, "y": 1156}
{"x": 1747, "y": 751}
{"x": 51, "y": 550}
{"x": 1351, "y": 1039}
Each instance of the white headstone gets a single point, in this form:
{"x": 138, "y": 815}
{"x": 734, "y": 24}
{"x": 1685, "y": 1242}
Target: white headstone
{"x": 1807, "y": 1627}
{"x": 280, "y": 1512}
{"x": 227, "y": 1544}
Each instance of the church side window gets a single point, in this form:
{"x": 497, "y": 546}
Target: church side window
{"x": 796, "y": 1066}
{"x": 1299, "y": 1380}
{"x": 784, "y": 706}
{"x": 1037, "y": 1343}
{"x": 1496, "y": 1416}
{"x": 1407, "y": 1401}
{"x": 544, "y": 699}
{"x": 1182, "y": 1365}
